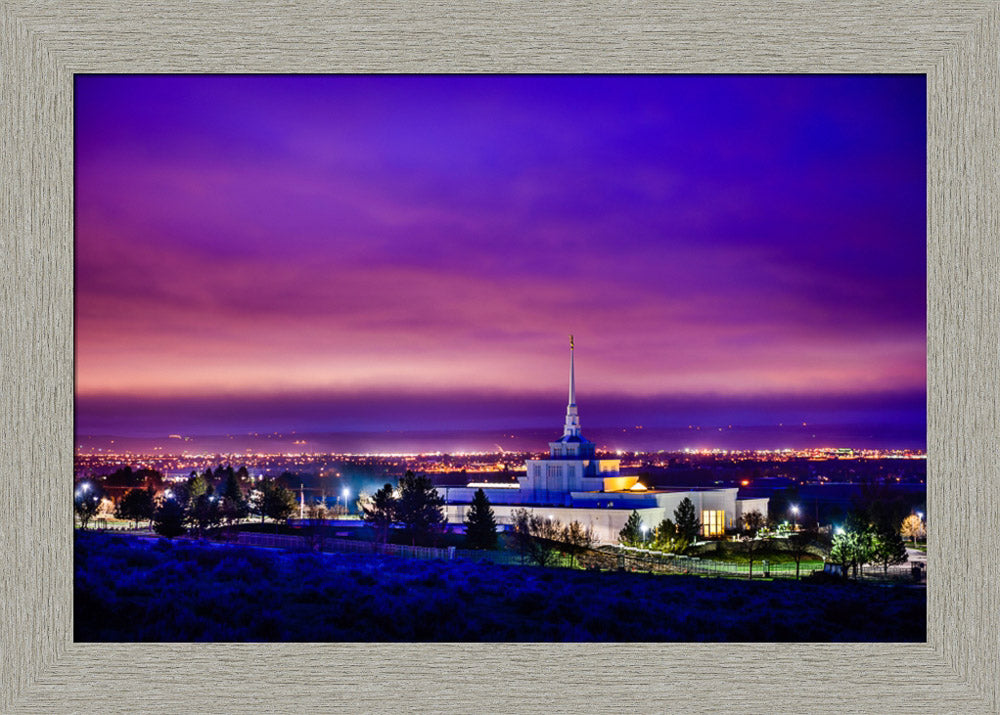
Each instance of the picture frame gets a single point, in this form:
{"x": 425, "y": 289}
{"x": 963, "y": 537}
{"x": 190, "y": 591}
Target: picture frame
{"x": 43, "y": 45}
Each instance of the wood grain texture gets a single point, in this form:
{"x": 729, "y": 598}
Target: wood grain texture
{"x": 43, "y": 43}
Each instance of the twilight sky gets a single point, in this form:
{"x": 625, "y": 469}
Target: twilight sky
{"x": 338, "y": 253}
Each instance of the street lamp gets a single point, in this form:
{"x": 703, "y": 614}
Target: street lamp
{"x": 795, "y": 517}
{"x": 644, "y": 529}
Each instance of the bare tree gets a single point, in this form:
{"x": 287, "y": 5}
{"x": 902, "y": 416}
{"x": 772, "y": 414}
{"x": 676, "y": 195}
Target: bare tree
{"x": 577, "y": 539}
{"x": 752, "y": 523}
{"x": 536, "y": 537}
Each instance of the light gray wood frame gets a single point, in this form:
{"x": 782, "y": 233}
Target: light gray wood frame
{"x": 42, "y": 44}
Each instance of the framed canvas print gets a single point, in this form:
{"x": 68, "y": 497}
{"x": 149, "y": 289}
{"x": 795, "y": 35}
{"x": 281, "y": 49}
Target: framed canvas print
{"x": 206, "y": 213}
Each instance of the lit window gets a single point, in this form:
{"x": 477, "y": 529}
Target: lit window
{"x": 713, "y": 522}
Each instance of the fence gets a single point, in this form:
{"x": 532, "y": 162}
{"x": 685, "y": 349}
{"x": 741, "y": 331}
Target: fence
{"x": 655, "y": 562}
{"x": 607, "y": 559}
{"x": 352, "y": 546}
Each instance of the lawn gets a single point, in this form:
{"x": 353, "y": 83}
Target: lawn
{"x": 133, "y": 589}
{"x": 809, "y": 561}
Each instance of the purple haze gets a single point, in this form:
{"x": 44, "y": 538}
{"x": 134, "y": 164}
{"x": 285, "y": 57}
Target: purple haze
{"x": 339, "y": 253}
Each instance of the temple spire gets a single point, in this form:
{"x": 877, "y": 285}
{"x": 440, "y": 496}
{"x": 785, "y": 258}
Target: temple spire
{"x": 572, "y": 427}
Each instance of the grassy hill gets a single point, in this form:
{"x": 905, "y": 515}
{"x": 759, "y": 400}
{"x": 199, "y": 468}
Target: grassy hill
{"x": 131, "y": 589}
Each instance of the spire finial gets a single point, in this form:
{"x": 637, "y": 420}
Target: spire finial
{"x": 572, "y": 427}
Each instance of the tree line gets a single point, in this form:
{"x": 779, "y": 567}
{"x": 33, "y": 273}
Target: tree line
{"x": 197, "y": 505}
{"x": 415, "y": 506}
{"x": 670, "y": 535}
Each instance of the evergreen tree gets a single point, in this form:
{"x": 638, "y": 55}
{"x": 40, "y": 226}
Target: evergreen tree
{"x": 234, "y": 504}
{"x": 419, "y": 508}
{"x": 278, "y": 502}
{"x": 198, "y": 485}
{"x": 205, "y": 511}
{"x": 380, "y": 512}
{"x": 666, "y": 538}
{"x": 631, "y": 533}
{"x": 687, "y": 520}
{"x": 168, "y": 519}
{"x": 135, "y": 506}
{"x": 480, "y": 523}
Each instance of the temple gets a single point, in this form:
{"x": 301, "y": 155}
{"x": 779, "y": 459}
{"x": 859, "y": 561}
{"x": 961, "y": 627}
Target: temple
{"x": 574, "y": 484}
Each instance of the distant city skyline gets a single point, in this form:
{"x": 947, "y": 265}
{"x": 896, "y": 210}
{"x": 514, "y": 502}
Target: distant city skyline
{"x": 259, "y": 253}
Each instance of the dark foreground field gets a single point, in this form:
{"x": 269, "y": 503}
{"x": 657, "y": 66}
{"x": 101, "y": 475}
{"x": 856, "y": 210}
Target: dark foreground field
{"x": 128, "y": 589}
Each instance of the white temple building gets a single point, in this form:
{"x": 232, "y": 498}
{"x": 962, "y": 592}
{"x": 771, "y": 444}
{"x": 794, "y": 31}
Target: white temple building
{"x": 573, "y": 484}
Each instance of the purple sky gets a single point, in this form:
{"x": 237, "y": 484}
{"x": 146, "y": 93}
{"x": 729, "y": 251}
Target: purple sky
{"x": 352, "y": 252}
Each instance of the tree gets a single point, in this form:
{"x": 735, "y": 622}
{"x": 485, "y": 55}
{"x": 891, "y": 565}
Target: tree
{"x": 913, "y": 528}
{"x": 799, "y": 543}
{"x": 631, "y": 533}
{"x": 168, "y": 519}
{"x": 197, "y": 485}
{"x": 278, "y": 502}
{"x": 234, "y": 504}
{"x": 480, "y": 523}
{"x": 687, "y": 520}
{"x": 257, "y": 498}
{"x": 577, "y": 539}
{"x": 667, "y": 539}
{"x": 753, "y": 522}
{"x": 380, "y": 512}
{"x": 852, "y": 549}
{"x": 535, "y": 536}
{"x": 205, "y": 512}
{"x": 889, "y": 547}
{"x": 419, "y": 508}
{"x": 86, "y": 502}
{"x": 843, "y": 550}
{"x": 135, "y": 506}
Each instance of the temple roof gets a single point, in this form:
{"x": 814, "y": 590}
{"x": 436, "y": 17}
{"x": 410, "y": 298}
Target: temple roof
{"x": 573, "y": 438}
